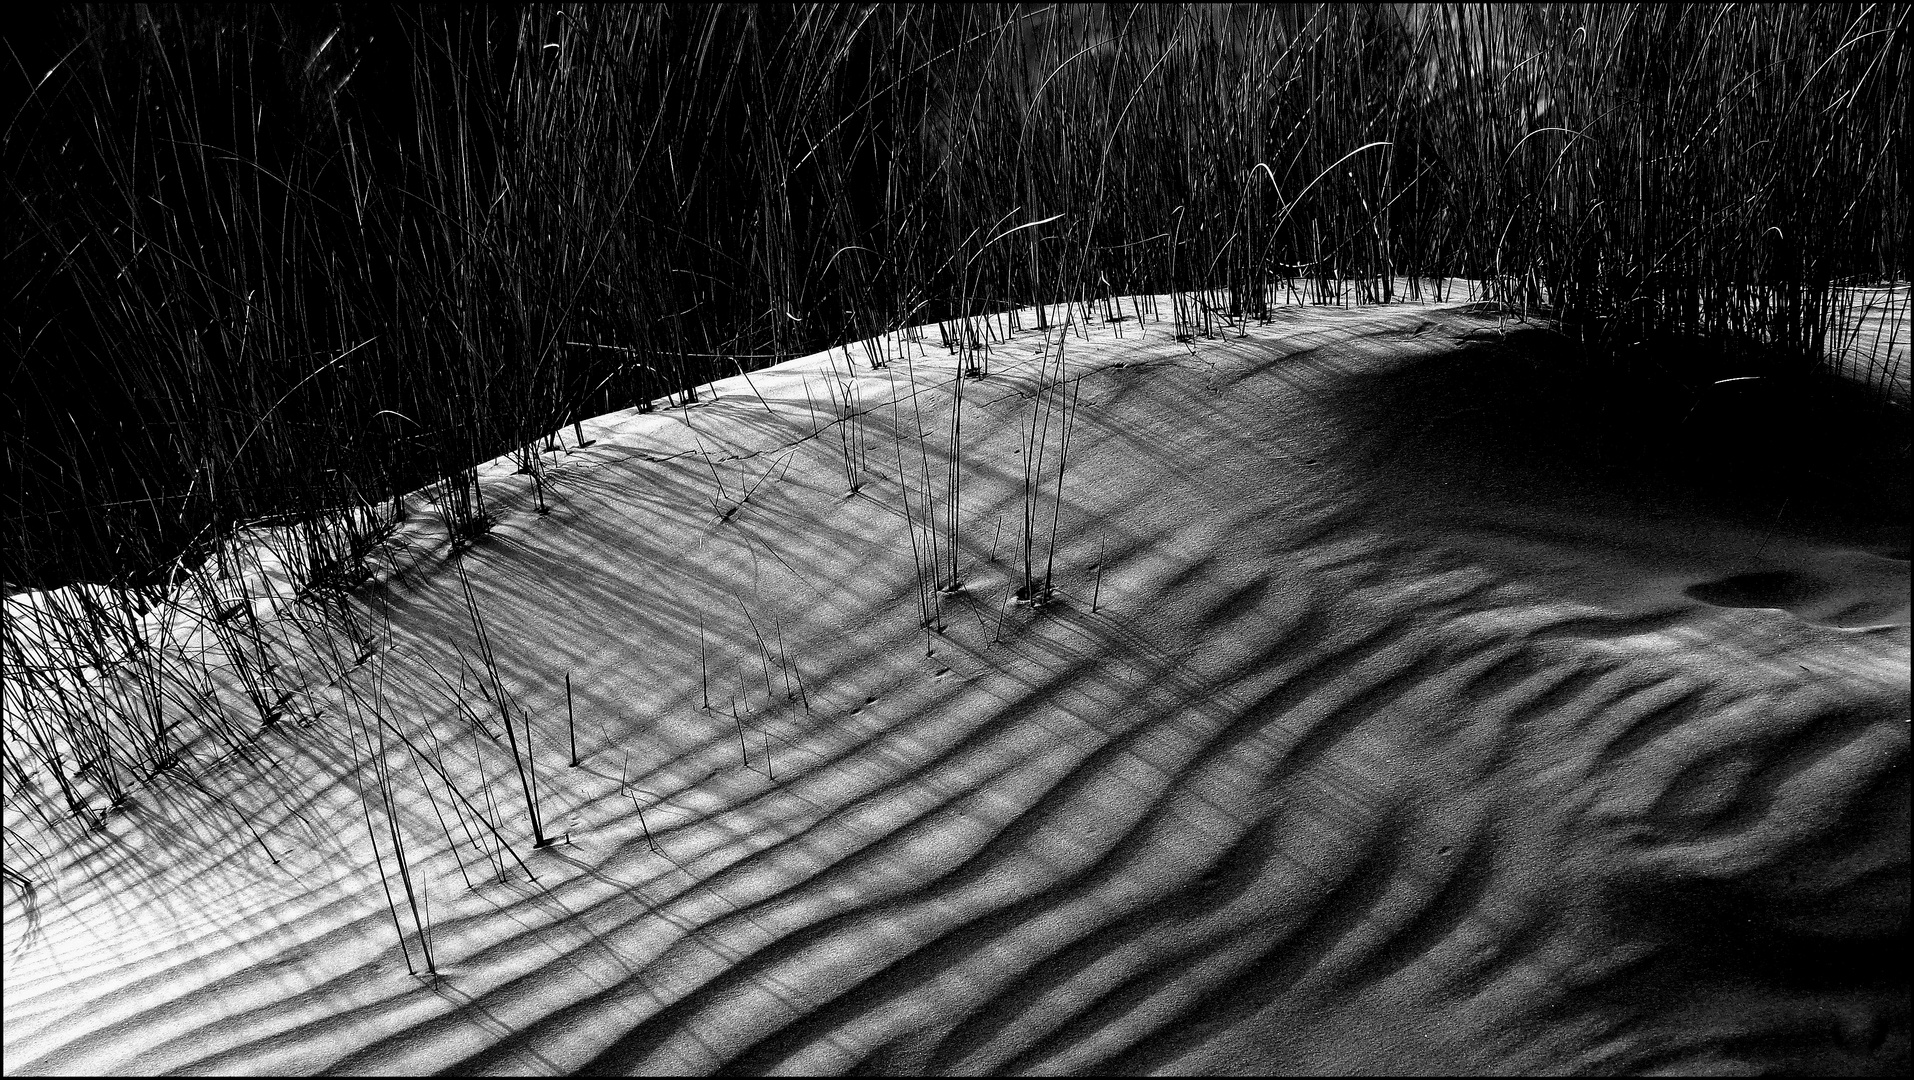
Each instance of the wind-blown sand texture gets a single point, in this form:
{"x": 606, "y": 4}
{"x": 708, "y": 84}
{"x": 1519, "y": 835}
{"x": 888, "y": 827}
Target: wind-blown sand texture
{"x": 1423, "y": 722}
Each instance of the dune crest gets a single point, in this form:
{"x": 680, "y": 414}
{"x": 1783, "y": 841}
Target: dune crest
{"x": 1376, "y": 720}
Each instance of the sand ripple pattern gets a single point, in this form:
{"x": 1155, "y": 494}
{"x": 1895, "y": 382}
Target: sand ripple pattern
{"x": 1310, "y": 790}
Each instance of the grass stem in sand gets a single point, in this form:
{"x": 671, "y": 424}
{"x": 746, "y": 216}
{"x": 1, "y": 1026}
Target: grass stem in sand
{"x": 571, "y": 719}
{"x": 742, "y": 752}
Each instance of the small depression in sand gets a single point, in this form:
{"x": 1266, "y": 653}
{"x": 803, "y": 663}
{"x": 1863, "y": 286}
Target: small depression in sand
{"x": 1871, "y": 592}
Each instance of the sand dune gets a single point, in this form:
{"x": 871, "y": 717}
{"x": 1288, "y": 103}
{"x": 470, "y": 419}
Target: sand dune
{"x": 1396, "y": 709}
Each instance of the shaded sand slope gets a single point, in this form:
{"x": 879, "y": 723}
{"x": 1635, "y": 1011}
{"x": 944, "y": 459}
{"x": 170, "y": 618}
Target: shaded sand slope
{"x": 1397, "y": 708}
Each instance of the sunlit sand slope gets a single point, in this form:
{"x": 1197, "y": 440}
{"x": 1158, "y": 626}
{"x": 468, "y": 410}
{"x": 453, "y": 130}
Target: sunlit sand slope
{"x": 1394, "y": 710}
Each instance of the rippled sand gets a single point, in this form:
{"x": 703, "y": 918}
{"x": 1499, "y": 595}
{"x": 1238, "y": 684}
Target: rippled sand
{"x": 1395, "y": 709}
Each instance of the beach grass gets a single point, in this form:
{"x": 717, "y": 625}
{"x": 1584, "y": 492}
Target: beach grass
{"x": 271, "y": 271}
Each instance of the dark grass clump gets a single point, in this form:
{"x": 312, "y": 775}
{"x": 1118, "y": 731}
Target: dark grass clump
{"x": 274, "y": 261}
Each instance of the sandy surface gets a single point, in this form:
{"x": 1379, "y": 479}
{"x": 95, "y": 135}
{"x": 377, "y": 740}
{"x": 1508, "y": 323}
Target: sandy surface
{"x": 1395, "y": 709}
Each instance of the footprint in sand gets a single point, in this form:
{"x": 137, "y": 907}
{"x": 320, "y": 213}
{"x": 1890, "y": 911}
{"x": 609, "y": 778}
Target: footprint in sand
{"x": 1841, "y": 588}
